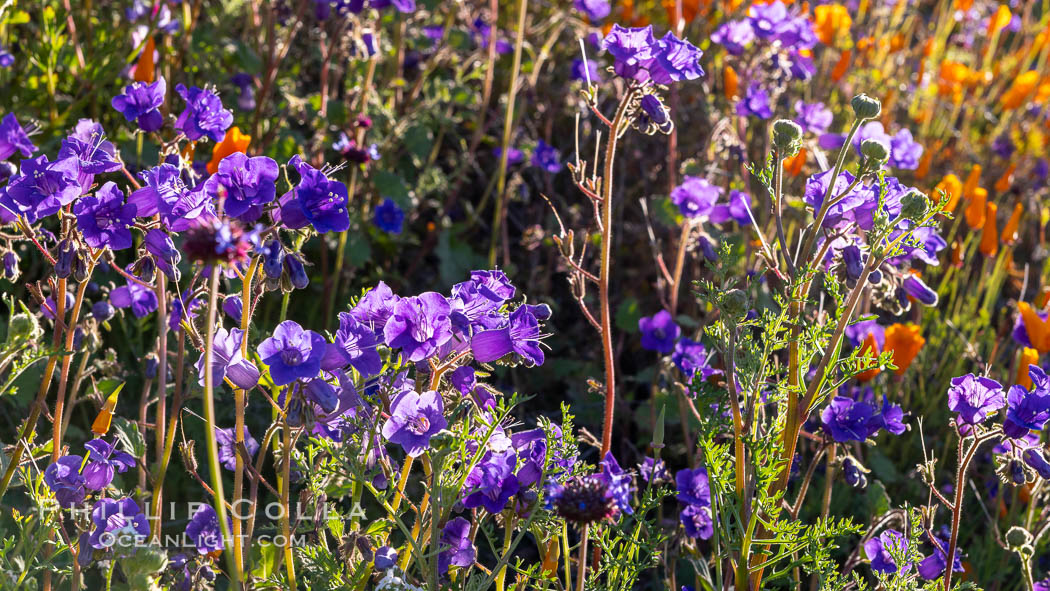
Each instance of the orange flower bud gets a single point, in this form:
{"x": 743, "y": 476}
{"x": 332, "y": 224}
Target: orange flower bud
{"x": 924, "y": 165}
{"x": 905, "y": 342}
{"x": 990, "y": 236}
{"x": 730, "y": 83}
{"x": 101, "y": 424}
{"x": 956, "y": 254}
{"x": 976, "y": 210}
{"x": 145, "y": 68}
{"x": 970, "y": 187}
{"x": 1003, "y": 184}
{"x": 1009, "y": 235}
{"x": 1038, "y": 330}
{"x": 999, "y": 20}
{"x": 1028, "y": 357}
{"x": 842, "y": 66}
{"x": 235, "y": 141}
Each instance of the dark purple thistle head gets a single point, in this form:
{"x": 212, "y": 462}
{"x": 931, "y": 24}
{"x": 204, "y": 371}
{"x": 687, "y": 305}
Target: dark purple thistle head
{"x": 583, "y": 500}
{"x": 217, "y": 242}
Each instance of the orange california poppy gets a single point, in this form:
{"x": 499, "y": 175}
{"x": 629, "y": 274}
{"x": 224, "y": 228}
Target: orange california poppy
{"x": 1020, "y": 89}
{"x": 690, "y": 8}
{"x": 829, "y": 21}
{"x": 990, "y": 235}
{"x": 905, "y": 342}
{"x": 976, "y": 210}
{"x": 794, "y": 165}
{"x": 1029, "y": 356}
{"x": 235, "y": 141}
{"x": 1038, "y": 330}
{"x": 952, "y": 187}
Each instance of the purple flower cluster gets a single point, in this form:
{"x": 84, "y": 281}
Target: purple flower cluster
{"x": 859, "y": 417}
{"x": 640, "y": 56}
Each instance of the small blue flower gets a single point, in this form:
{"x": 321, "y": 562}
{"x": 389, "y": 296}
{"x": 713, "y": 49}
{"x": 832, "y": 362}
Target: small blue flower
{"x": 389, "y": 217}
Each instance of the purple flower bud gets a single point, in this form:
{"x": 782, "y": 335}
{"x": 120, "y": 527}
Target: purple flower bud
{"x": 11, "y": 271}
{"x": 293, "y": 266}
{"x": 851, "y": 261}
{"x": 1036, "y": 459}
{"x": 102, "y": 311}
{"x": 64, "y": 259}
{"x": 273, "y": 259}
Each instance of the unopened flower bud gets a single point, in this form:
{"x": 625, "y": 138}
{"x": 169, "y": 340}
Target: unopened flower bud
{"x": 64, "y": 259}
{"x": 23, "y": 327}
{"x": 144, "y": 268}
{"x": 81, "y": 270}
{"x": 11, "y": 266}
{"x": 102, "y": 310}
{"x": 656, "y": 112}
{"x": 786, "y": 136}
{"x": 735, "y": 303}
{"x": 273, "y": 259}
{"x": 866, "y": 107}
{"x": 1017, "y": 538}
{"x": 296, "y": 271}
{"x": 875, "y": 151}
{"x": 914, "y": 206}
{"x": 851, "y": 261}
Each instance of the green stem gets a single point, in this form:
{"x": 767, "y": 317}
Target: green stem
{"x": 508, "y": 126}
{"x": 215, "y": 468}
